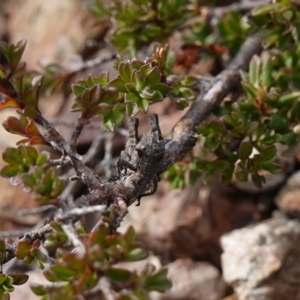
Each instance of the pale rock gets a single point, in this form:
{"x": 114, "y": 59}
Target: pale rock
{"x": 288, "y": 198}
{"x": 54, "y": 29}
{"x": 193, "y": 281}
{"x": 262, "y": 261}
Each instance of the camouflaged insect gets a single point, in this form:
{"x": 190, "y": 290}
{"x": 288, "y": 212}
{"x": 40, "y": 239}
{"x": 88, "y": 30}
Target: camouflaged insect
{"x": 142, "y": 160}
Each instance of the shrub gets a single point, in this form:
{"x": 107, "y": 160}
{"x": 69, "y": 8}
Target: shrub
{"x": 240, "y": 140}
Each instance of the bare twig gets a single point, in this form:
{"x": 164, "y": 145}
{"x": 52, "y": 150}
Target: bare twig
{"x": 61, "y": 162}
{"x": 37, "y": 210}
{"x": 108, "y": 155}
{"x": 73, "y": 236}
{"x": 241, "y": 6}
{"x": 78, "y": 212}
{"x": 75, "y": 135}
{"x": 36, "y": 234}
{"x": 213, "y": 14}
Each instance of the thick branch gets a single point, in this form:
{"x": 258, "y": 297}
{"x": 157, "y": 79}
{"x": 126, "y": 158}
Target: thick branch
{"x": 182, "y": 137}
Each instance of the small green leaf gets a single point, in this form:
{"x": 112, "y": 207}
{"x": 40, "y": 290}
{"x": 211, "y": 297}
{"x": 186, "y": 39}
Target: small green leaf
{"x": 254, "y": 70}
{"x": 289, "y": 138}
{"x": 278, "y": 123}
{"x": 187, "y": 93}
{"x": 42, "y": 158}
{"x": 29, "y": 180}
{"x": 109, "y": 123}
{"x": 270, "y": 167}
{"x": 162, "y": 88}
{"x": 181, "y": 103}
{"x": 132, "y": 109}
{"x": 153, "y": 76}
{"x": 245, "y": 150}
{"x": 268, "y": 154}
{"x": 119, "y": 84}
{"x": 264, "y": 9}
{"x": 125, "y": 71}
{"x": 2, "y": 278}
{"x": 138, "y": 80}
{"x": 130, "y": 88}
{"x": 189, "y": 81}
{"x": 296, "y": 111}
{"x": 132, "y": 97}
{"x": 3, "y": 73}
{"x": 118, "y": 274}
{"x": 103, "y": 79}
{"x": 266, "y": 74}
{"x": 9, "y": 171}
{"x": 90, "y": 82}
{"x": 135, "y": 255}
{"x": 51, "y": 276}
{"x": 158, "y": 282}
{"x": 208, "y": 175}
{"x": 32, "y": 155}
{"x": 38, "y": 289}
{"x": 252, "y": 127}
{"x": 129, "y": 235}
{"x": 18, "y": 51}
{"x": 153, "y": 96}
{"x": 63, "y": 272}
{"x": 169, "y": 63}
{"x": 288, "y": 99}
{"x": 145, "y": 69}
{"x": 30, "y": 111}
{"x": 249, "y": 89}
{"x": 78, "y": 89}
{"x": 143, "y": 105}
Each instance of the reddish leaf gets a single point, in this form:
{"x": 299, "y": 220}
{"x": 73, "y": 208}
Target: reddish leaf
{"x": 24, "y": 246}
{"x": 8, "y": 102}
{"x": 38, "y": 140}
{"x": 217, "y": 49}
{"x": 87, "y": 280}
{"x": 13, "y": 125}
{"x": 23, "y": 141}
{"x": 31, "y": 129}
{"x": 8, "y": 89}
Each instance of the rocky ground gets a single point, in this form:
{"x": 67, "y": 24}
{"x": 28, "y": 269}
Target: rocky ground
{"x": 219, "y": 242}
